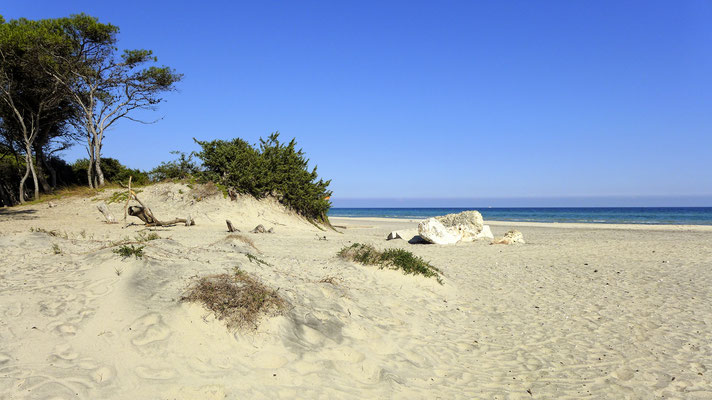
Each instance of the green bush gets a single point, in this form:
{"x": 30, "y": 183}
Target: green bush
{"x": 128, "y": 251}
{"x": 113, "y": 170}
{"x": 182, "y": 168}
{"x": 390, "y": 258}
{"x": 273, "y": 169}
{"x": 11, "y": 171}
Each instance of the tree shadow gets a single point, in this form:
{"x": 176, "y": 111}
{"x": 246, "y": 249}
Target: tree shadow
{"x": 10, "y": 214}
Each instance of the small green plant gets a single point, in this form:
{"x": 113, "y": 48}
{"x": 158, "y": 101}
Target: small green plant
{"x": 120, "y": 197}
{"x": 56, "y": 249}
{"x": 256, "y": 259}
{"x": 146, "y": 237}
{"x": 390, "y": 258}
{"x": 128, "y": 251}
{"x": 118, "y": 271}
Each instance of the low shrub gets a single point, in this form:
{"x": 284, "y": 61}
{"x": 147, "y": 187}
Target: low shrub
{"x": 113, "y": 170}
{"x": 182, "y": 168}
{"x": 391, "y": 258}
{"x": 272, "y": 169}
{"x": 126, "y": 251}
{"x": 238, "y": 298}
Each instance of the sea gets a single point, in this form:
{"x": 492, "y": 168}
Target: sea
{"x": 601, "y": 215}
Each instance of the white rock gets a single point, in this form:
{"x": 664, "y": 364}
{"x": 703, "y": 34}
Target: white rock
{"x": 467, "y": 224}
{"x": 511, "y": 237}
{"x": 485, "y": 233}
{"x": 433, "y": 231}
{"x": 405, "y": 234}
{"x": 395, "y": 235}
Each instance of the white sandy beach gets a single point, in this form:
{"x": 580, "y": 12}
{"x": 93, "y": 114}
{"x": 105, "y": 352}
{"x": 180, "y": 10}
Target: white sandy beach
{"x": 579, "y": 311}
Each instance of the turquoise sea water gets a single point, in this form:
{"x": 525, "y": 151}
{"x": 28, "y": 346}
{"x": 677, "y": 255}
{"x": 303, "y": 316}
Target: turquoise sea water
{"x": 606, "y": 215}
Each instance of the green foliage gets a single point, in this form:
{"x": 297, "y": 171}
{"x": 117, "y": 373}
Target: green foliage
{"x": 273, "y": 169}
{"x": 114, "y": 171}
{"x": 182, "y": 168}
{"x": 390, "y": 258}
{"x": 147, "y": 237}
{"x": 128, "y": 251}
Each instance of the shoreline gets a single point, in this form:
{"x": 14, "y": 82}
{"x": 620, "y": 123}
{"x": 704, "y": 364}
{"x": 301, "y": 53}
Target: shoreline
{"x": 563, "y": 225}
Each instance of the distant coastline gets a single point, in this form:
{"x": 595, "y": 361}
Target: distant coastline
{"x": 599, "y": 215}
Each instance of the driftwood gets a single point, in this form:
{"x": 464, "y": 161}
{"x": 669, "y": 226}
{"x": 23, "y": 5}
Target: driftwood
{"x": 144, "y": 213}
{"x": 110, "y": 219}
{"x": 261, "y": 229}
{"x": 128, "y": 198}
{"x": 232, "y": 193}
{"x": 231, "y": 228}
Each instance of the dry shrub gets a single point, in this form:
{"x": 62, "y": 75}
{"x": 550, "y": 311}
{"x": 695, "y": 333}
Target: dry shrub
{"x": 243, "y": 239}
{"x": 238, "y": 299}
{"x": 332, "y": 280}
{"x": 203, "y": 191}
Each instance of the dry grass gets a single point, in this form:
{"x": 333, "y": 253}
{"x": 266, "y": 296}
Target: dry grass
{"x": 244, "y": 239}
{"x": 203, "y": 191}
{"x": 332, "y": 280}
{"x": 71, "y": 191}
{"x": 238, "y": 299}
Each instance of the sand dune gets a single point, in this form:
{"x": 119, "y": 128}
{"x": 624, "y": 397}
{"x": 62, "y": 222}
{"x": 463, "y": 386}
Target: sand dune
{"x": 576, "y": 312}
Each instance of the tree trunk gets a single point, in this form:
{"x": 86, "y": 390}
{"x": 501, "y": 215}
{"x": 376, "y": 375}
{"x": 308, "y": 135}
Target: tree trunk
{"x": 99, "y": 178}
{"x": 22, "y": 182}
{"x": 90, "y": 167}
{"x": 34, "y": 177}
{"x": 99, "y": 181}
{"x": 41, "y": 163}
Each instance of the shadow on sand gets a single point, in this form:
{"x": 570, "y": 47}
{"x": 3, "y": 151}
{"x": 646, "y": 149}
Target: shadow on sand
{"x": 7, "y": 213}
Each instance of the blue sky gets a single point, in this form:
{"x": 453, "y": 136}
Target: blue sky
{"x": 456, "y": 100}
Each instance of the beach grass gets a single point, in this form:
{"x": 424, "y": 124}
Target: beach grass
{"x": 126, "y": 251}
{"x": 398, "y": 259}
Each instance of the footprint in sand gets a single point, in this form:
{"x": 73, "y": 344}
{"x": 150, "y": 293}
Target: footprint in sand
{"x": 65, "y": 329}
{"x": 150, "y": 329}
{"x": 155, "y": 373}
{"x": 52, "y": 308}
{"x": 102, "y": 375}
{"x": 63, "y": 356}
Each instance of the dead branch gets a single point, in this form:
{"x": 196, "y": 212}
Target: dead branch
{"x": 231, "y": 228}
{"x": 110, "y": 219}
{"x": 145, "y": 214}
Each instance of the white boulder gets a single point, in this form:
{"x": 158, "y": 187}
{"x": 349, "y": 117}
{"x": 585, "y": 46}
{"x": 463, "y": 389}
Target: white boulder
{"x": 468, "y": 224}
{"x": 485, "y": 233}
{"x": 511, "y": 237}
{"x": 433, "y": 231}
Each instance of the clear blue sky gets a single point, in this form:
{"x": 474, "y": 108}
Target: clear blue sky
{"x": 406, "y": 100}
